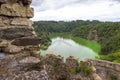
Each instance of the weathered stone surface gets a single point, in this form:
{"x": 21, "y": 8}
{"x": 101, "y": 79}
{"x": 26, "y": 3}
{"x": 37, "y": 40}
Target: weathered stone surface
{"x": 13, "y": 21}
{"x": 13, "y": 49}
{"x": 25, "y": 3}
{"x": 5, "y": 20}
{"x": 16, "y": 10}
{"x": 97, "y": 77}
{"x": 107, "y": 64}
{"x": 21, "y": 22}
{"x": 30, "y": 75}
{"x": 1, "y": 23}
{"x": 30, "y": 60}
{"x": 51, "y": 67}
{"x": 2, "y": 2}
{"x": 12, "y": 33}
{"x": 106, "y": 69}
{"x": 25, "y": 41}
{"x": 19, "y": 43}
{"x": 72, "y": 62}
{"x": 5, "y": 27}
{"x": 55, "y": 67}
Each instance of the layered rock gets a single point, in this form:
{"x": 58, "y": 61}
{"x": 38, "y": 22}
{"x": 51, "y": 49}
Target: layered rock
{"x": 16, "y": 8}
{"x": 16, "y": 30}
{"x": 107, "y": 70}
{"x": 18, "y": 41}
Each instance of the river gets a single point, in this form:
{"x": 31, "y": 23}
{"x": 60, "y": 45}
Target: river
{"x": 68, "y": 47}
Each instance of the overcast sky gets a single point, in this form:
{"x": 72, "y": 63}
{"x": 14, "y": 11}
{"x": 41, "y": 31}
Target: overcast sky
{"x": 67, "y": 10}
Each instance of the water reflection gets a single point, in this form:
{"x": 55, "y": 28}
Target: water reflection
{"x": 67, "y": 47}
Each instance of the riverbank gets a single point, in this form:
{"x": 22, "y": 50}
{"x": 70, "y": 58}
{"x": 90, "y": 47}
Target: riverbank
{"x": 90, "y": 44}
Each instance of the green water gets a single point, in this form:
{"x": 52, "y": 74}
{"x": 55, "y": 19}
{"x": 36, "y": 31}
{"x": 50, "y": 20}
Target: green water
{"x": 68, "y": 47}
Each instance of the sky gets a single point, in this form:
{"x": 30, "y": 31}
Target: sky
{"x": 67, "y": 10}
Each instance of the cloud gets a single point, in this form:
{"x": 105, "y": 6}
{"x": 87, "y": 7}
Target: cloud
{"x": 53, "y": 4}
{"x": 117, "y": 0}
{"x": 105, "y": 10}
{"x": 37, "y": 2}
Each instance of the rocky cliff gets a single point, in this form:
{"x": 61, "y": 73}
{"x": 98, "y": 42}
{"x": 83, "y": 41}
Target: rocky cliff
{"x": 19, "y": 52}
{"x": 19, "y": 45}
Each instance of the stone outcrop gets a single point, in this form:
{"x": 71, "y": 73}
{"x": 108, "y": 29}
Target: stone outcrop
{"x": 93, "y": 35}
{"x": 52, "y": 67}
{"x": 107, "y": 70}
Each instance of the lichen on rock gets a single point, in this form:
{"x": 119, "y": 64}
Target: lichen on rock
{"x": 16, "y": 10}
{"x": 18, "y": 40}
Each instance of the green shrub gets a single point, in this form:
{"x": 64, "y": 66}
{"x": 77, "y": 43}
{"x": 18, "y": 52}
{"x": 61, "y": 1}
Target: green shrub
{"x": 87, "y": 70}
{"x": 114, "y": 57}
{"x": 113, "y": 76}
{"x": 78, "y": 69}
{"x": 73, "y": 70}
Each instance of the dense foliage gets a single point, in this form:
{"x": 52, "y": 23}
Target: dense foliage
{"x": 108, "y": 32}
{"x": 45, "y": 40}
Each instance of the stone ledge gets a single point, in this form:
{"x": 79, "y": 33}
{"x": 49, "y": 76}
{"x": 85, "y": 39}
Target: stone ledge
{"x": 15, "y": 21}
{"x": 21, "y": 22}
{"x": 106, "y": 64}
{"x": 13, "y": 33}
{"x": 25, "y": 41}
{"x": 5, "y": 27}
